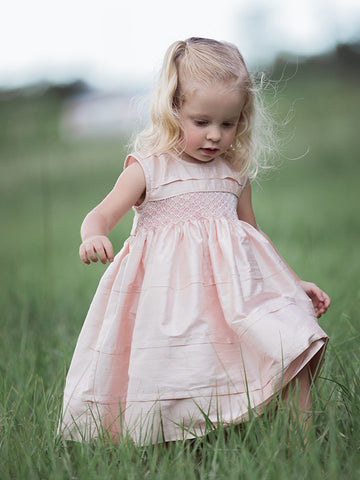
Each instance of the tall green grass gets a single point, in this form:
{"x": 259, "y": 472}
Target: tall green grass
{"x": 309, "y": 207}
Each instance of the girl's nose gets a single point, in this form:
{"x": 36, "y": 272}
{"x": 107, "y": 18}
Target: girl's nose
{"x": 213, "y": 134}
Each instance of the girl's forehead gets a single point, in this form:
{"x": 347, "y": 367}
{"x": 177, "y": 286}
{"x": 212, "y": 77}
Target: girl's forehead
{"x": 189, "y": 88}
{"x": 192, "y": 90}
{"x": 213, "y": 100}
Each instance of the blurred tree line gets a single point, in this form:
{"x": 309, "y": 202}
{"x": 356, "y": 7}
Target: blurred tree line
{"x": 344, "y": 60}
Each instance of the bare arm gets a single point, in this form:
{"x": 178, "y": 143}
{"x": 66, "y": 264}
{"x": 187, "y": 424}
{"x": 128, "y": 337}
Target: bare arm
{"x": 319, "y": 298}
{"x": 97, "y": 224}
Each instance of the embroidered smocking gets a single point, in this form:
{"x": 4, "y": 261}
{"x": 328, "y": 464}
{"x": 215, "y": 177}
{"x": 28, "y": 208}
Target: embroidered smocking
{"x": 185, "y": 207}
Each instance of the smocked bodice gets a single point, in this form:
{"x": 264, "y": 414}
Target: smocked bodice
{"x": 187, "y": 207}
{"x": 179, "y": 191}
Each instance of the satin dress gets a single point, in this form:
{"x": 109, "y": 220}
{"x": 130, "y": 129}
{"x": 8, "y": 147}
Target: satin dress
{"x": 197, "y": 320}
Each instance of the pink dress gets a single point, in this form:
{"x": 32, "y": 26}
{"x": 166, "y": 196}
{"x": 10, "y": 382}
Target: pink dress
{"x": 197, "y": 318}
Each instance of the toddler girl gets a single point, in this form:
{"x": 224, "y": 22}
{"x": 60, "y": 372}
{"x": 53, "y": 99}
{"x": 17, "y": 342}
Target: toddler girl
{"x": 197, "y": 318}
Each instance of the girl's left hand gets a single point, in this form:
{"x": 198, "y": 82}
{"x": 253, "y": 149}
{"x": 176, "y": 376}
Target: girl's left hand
{"x": 320, "y": 300}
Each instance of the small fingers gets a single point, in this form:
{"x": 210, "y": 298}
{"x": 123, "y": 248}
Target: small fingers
{"x": 104, "y": 250}
{"x": 322, "y": 305}
{"x": 96, "y": 248}
{"x": 83, "y": 254}
{"x": 324, "y": 302}
{"x": 327, "y": 301}
{"x": 99, "y": 250}
{"x": 319, "y": 294}
{"x": 108, "y": 250}
{"x": 90, "y": 252}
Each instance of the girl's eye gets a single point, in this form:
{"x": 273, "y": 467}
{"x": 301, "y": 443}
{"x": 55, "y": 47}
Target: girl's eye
{"x": 228, "y": 124}
{"x": 201, "y": 123}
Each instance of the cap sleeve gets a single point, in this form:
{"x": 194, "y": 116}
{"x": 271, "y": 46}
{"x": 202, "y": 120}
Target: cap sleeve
{"x": 145, "y": 165}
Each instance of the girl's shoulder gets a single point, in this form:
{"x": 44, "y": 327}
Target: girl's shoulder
{"x": 139, "y": 157}
{"x": 148, "y": 160}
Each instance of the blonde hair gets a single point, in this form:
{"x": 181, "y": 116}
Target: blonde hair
{"x": 205, "y": 60}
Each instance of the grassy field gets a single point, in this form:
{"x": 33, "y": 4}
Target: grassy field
{"x": 310, "y": 209}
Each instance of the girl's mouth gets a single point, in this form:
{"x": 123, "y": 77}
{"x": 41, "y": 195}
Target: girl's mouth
{"x": 209, "y": 151}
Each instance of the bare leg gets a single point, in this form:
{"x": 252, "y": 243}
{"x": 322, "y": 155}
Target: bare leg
{"x": 298, "y": 395}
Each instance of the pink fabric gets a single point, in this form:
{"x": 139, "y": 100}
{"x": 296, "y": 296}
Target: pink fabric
{"x": 197, "y": 314}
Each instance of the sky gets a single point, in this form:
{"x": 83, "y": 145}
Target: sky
{"x": 112, "y": 43}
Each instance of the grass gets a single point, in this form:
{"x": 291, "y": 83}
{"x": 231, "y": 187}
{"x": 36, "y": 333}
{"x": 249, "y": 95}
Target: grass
{"x": 308, "y": 207}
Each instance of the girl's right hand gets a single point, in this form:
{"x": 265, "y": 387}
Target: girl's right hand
{"x": 98, "y": 245}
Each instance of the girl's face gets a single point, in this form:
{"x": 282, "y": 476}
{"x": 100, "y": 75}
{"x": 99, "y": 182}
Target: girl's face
{"x": 209, "y": 119}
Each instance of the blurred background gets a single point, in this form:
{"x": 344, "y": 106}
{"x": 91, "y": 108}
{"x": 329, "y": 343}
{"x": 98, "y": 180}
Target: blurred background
{"x": 74, "y": 80}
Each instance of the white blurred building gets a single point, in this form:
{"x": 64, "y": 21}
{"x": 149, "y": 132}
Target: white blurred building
{"x": 103, "y": 114}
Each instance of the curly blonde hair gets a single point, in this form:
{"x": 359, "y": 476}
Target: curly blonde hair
{"x": 206, "y": 60}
